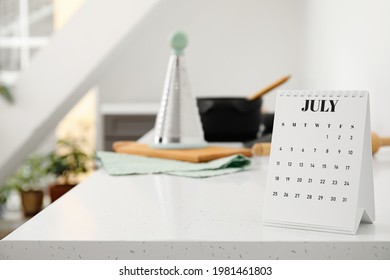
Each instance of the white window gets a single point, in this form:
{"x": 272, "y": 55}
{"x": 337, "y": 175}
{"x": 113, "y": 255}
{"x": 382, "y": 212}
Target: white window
{"x": 25, "y": 27}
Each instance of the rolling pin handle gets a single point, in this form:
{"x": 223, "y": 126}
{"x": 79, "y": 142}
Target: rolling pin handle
{"x": 261, "y": 149}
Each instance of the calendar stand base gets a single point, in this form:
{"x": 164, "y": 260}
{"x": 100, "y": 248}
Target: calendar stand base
{"x": 362, "y": 216}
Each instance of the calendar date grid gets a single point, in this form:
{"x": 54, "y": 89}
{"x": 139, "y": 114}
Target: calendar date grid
{"x": 301, "y": 173}
{"x": 322, "y": 184}
{"x": 309, "y": 196}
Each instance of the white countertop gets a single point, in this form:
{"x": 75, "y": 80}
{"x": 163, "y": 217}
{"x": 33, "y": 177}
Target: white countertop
{"x": 150, "y": 208}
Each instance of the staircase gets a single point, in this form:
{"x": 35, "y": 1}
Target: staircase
{"x": 63, "y": 72}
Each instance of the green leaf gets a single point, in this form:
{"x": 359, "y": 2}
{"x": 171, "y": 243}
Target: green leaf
{"x": 5, "y": 92}
{"x": 68, "y": 159}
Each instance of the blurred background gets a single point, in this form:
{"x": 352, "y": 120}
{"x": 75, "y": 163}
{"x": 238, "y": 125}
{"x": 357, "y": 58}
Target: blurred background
{"x": 94, "y": 69}
{"x": 26, "y": 26}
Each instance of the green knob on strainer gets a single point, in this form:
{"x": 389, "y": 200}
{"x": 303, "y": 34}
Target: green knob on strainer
{"x": 179, "y": 42}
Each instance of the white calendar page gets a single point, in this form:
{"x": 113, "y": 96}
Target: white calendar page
{"x": 318, "y": 162}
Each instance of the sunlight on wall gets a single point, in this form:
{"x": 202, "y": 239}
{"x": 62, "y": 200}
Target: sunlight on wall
{"x": 64, "y": 10}
{"x": 80, "y": 122}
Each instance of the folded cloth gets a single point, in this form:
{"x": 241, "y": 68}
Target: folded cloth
{"x": 123, "y": 164}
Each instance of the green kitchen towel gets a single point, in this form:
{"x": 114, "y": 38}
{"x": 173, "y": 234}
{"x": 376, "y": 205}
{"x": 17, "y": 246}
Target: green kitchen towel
{"x": 123, "y": 164}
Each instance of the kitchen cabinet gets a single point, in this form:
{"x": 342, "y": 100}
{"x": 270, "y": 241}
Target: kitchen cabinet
{"x": 124, "y": 122}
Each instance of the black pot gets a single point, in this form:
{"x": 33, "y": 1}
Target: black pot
{"x": 230, "y": 119}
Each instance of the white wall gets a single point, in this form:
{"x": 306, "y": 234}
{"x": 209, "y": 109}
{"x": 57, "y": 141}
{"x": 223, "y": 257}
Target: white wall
{"x": 235, "y": 48}
{"x": 348, "y": 47}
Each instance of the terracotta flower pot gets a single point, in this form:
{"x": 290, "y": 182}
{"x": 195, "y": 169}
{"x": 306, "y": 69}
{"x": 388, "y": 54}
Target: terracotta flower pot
{"x": 58, "y": 190}
{"x": 32, "y": 202}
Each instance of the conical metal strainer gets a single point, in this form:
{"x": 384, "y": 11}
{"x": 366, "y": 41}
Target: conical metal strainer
{"x": 178, "y": 124}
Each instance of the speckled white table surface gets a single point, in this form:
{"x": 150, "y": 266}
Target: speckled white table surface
{"x": 161, "y": 216}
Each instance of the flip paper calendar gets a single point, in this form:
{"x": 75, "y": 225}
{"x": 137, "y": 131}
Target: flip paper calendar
{"x": 320, "y": 169}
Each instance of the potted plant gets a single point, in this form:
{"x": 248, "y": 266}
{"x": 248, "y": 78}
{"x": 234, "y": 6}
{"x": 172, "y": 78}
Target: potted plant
{"x": 5, "y": 93}
{"x": 67, "y": 162}
{"x": 29, "y": 181}
{"x": 4, "y": 193}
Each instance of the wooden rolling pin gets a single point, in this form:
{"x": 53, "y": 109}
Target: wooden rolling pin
{"x": 261, "y": 149}
{"x": 377, "y": 142}
{"x": 264, "y": 149}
